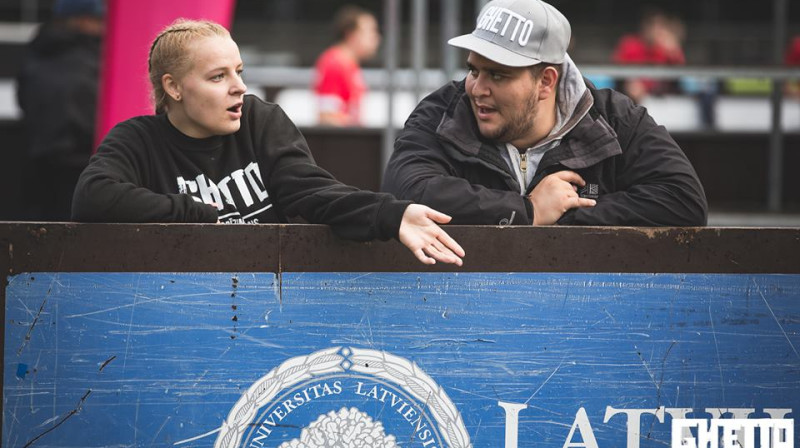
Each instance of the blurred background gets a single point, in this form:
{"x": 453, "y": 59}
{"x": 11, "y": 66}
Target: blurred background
{"x": 723, "y": 78}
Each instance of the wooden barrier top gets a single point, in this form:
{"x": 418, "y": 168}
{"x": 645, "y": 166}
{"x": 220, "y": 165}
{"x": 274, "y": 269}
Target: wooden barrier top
{"x": 70, "y": 247}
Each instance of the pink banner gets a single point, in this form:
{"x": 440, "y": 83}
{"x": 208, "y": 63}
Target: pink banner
{"x": 130, "y": 29}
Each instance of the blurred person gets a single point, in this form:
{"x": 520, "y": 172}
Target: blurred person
{"x": 657, "y": 43}
{"x": 339, "y": 83}
{"x": 525, "y": 139}
{"x": 212, "y": 154}
{"x": 57, "y": 92}
{"x": 793, "y": 60}
{"x": 793, "y": 52}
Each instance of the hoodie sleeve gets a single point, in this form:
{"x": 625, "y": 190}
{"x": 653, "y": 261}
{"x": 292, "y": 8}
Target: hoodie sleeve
{"x": 301, "y": 188}
{"x": 113, "y": 188}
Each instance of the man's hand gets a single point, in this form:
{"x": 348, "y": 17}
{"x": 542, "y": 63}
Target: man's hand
{"x": 556, "y": 194}
{"x": 428, "y": 242}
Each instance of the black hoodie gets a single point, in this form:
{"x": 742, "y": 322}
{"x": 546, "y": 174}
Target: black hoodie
{"x": 147, "y": 171}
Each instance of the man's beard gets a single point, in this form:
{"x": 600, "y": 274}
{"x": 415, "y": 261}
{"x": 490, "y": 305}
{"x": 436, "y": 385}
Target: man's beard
{"x": 519, "y": 124}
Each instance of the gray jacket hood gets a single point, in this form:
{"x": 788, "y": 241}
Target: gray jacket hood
{"x": 574, "y": 101}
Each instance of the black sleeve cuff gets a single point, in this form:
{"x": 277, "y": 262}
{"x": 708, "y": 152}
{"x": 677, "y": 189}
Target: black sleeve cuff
{"x": 389, "y": 218}
{"x": 204, "y": 213}
{"x": 528, "y": 209}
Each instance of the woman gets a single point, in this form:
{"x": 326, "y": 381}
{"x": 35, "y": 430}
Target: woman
{"x": 213, "y": 154}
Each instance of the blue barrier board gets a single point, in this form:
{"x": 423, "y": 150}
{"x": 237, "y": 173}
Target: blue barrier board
{"x": 400, "y": 360}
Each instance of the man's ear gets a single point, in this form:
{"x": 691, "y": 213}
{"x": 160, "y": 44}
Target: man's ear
{"x": 548, "y": 83}
{"x": 171, "y": 87}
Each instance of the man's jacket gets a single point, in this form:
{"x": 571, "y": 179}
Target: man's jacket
{"x": 632, "y": 167}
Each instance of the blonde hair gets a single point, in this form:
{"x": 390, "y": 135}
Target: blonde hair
{"x": 169, "y": 53}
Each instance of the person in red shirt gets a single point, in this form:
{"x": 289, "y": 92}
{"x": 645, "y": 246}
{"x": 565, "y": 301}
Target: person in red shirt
{"x": 793, "y": 54}
{"x": 793, "y": 59}
{"x": 658, "y": 43}
{"x": 339, "y": 84}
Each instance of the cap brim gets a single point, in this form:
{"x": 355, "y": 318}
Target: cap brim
{"x": 492, "y": 51}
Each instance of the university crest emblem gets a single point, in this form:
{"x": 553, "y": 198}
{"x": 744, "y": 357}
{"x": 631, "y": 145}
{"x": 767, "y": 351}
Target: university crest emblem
{"x": 344, "y": 397}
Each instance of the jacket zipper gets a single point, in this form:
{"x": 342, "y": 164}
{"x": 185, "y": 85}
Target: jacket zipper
{"x": 523, "y": 162}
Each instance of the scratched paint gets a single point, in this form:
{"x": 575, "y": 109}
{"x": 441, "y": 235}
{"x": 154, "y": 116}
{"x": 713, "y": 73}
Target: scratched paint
{"x": 157, "y": 359}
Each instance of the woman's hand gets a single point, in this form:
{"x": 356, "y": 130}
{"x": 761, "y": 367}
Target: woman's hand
{"x": 428, "y": 242}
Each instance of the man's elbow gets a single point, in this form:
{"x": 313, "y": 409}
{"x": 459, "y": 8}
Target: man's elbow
{"x": 700, "y": 217}
{"x": 694, "y": 214}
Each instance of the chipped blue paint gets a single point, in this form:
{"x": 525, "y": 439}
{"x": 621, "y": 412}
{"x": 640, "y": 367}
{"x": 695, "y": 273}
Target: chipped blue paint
{"x": 22, "y": 370}
{"x": 148, "y": 359}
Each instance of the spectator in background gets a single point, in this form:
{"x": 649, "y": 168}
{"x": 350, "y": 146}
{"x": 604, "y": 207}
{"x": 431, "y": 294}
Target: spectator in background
{"x": 658, "y": 43}
{"x": 793, "y": 59}
{"x": 793, "y": 53}
{"x": 57, "y": 92}
{"x": 339, "y": 84}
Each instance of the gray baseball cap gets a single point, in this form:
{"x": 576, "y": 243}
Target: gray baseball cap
{"x": 518, "y": 33}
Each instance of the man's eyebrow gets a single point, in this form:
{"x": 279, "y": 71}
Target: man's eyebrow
{"x": 499, "y": 69}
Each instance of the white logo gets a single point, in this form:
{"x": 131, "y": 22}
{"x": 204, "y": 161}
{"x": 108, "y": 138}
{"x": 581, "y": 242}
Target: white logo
{"x": 327, "y": 379}
{"x": 774, "y": 433}
{"x": 497, "y": 20}
{"x": 245, "y": 184}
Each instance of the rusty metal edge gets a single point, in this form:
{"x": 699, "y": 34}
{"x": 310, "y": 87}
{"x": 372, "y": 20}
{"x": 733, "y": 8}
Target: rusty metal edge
{"x": 70, "y": 247}
{"x": 560, "y": 249}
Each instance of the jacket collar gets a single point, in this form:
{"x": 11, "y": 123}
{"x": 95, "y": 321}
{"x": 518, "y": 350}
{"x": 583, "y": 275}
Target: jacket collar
{"x": 458, "y": 124}
{"x": 588, "y": 143}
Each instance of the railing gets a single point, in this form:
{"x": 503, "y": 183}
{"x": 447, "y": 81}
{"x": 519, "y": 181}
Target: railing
{"x": 421, "y": 81}
{"x": 430, "y": 79}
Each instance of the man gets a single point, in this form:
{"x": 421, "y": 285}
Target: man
{"x": 524, "y": 139}
{"x": 57, "y": 92}
{"x": 339, "y": 84}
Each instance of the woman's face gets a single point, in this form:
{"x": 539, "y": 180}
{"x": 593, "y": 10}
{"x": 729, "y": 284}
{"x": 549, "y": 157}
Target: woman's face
{"x": 211, "y": 92}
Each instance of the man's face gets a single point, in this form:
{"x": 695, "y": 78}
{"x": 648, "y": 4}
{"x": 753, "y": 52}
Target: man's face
{"x": 504, "y": 99}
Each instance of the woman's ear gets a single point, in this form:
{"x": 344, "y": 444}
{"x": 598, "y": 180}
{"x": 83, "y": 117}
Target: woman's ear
{"x": 171, "y": 87}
